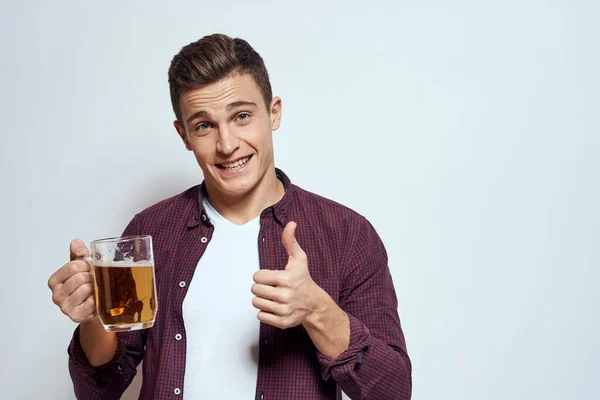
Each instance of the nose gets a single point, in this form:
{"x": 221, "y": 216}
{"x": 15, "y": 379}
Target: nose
{"x": 228, "y": 142}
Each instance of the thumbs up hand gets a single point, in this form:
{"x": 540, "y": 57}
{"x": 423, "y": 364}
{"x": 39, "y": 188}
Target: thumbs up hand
{"x": 287, "y": 298}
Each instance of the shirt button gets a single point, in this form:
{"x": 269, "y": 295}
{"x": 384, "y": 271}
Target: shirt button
{"x": 182, "y": 284}
{"x": 177, "y": 391}
{"x": 178, "y": 336}
{"x": 203, "y": 217}
{"x": 204, "y": 239}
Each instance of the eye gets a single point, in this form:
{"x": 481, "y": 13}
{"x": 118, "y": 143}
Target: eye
{"x": 243, "y": 116}
{"x": 202, "y": 126}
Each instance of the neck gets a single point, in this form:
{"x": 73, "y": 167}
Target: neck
{"x": 248, "y": 206}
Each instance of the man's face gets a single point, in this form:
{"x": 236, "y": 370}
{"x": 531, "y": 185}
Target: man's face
{"x": 229, "y": 129}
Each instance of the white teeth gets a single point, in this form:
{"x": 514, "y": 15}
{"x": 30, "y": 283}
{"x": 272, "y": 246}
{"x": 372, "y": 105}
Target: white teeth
{"x": 236, "y": 165}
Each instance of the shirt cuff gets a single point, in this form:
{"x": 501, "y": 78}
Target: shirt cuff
{"x": 98, "y": 375}
{"x": 360, "y": 338}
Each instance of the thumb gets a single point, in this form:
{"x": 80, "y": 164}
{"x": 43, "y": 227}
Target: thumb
{"x": 78, "y": 250}
{"x": 289, "y": 241}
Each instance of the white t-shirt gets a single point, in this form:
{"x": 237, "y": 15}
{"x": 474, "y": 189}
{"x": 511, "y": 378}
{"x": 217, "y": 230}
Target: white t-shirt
{"x": 222, "y": 330}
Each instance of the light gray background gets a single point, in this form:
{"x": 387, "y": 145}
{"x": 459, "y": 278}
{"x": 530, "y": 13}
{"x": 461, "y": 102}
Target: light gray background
{"x": 466, "y": 131}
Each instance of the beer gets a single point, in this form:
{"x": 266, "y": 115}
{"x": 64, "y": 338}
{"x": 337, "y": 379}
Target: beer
{"x": 124, "y": 282}
{"x": 125, "y": 295}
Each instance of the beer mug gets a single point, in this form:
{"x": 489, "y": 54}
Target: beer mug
{"x": 124, "y": 282}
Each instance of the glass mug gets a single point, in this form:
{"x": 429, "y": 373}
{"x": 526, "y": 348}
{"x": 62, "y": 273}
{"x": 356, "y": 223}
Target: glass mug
{"x": 124, "y": 282}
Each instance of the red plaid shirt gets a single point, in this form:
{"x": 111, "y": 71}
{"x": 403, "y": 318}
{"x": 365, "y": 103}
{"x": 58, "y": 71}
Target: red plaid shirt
{"x": 346, "y": 258}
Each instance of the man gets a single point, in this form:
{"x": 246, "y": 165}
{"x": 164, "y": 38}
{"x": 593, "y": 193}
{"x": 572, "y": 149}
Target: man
{"x": 247, "y": 237}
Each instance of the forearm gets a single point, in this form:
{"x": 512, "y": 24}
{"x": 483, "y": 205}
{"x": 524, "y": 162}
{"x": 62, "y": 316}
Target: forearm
{"x": 329, "y": 328}
{"x": 375, "y": 365}
{"x": 102, "y": 364}
{"x": 384, "y": 373}
{"x": 370, "y": 368}
{"x": 110, "y": 379}
{"x": 98, "y": 345}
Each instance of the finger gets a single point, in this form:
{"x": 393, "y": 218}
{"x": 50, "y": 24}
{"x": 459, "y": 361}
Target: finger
{"x": 271, "y": 306}
{"x": 265, "y": 291}
{"x": 289, "y": 241}
{"x": 66, "y": 271}
{"x": 77, "y": 250}
{"x": 85, "y": 311}
{"x": 271, "y": 278}
{"x": 273, "y": 320}
{"x": 74, "y": 282}
{"x": 77, "y": 298}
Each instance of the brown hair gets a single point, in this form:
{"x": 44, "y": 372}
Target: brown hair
{"x": 212, "y": 58}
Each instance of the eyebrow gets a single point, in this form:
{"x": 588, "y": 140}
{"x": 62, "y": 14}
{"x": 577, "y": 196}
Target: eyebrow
{"x": 230, "y": 106}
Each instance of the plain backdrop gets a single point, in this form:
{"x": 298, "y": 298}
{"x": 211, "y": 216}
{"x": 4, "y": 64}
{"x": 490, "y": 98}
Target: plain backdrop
{"x": 467, "y": 132}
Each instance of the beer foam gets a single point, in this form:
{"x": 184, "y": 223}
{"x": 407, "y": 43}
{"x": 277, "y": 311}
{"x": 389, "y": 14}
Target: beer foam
{"x": 123, "y": 264}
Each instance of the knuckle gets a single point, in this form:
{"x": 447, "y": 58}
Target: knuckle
{"x": 87, "y": 288}
{"x": 283, "y": 310}
{"x": 72, "y": 268}
{"x": 77, "y": 318}
{"x": 83, "y": 279}
{"x": 90, "y": 304}
{"x": 83, "y": 312}
{"x": 78, "y": 279}
{"x": 88, "y": 307}
{"x": 285, "y": 297}
{"x": 65, "y": 308}
{"x": 284, "y": 280}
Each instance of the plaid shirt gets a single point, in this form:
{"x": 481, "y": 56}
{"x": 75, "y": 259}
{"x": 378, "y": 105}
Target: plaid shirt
{"x": 346, "y": 258}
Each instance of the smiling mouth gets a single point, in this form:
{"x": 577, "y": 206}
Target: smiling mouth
{"x": 234, "y": 166}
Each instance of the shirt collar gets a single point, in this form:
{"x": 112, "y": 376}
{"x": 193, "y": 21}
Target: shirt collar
{"x": 278, "y": 211}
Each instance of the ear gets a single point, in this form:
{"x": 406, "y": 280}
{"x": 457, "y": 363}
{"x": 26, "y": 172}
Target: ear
{"x": 275, "y": 112}
{"x": 181, "y": 131}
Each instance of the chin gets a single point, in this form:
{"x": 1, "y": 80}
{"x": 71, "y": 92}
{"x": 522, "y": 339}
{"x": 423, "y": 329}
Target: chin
{"x": 239, "y": 190}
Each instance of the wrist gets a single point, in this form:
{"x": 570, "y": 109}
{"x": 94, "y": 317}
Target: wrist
{"x": 325, "y": 317}
{"x": 328, "y": 327}
{"x": 92, "y": 323}
{"x": 98, "y": 345}
{"x": 321, "y": 310}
